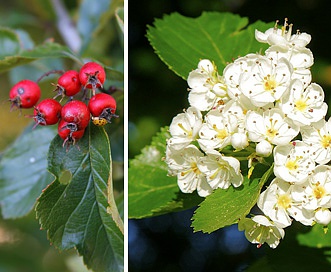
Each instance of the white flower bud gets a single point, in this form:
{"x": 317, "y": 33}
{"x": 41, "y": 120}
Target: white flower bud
{"x": 239, "y": 141}
{"x": 323, "y": 216}
{"x": 263, "y": 148}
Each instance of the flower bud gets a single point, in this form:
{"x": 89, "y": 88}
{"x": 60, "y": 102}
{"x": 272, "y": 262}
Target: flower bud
{"x": 263, "y": 148}
{"x": 323, "y": 216}
{"x": 239, "y": 141}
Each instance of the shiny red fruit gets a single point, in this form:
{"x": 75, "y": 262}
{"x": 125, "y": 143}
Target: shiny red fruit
{"x": 24, "y": 94}
{"x": 102, "y": 106}
{"x": 47, "y": 112}
{"x": 77, "y": 113}
{"x": 68, "y": 84}
{"x": 92, "y": 75}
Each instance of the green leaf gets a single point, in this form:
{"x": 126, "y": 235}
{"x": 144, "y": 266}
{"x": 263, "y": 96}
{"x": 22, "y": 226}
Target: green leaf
{"x": 89, "y": 18}
{"x": 73, "y": 208}
{"x": 294, "y": 256}
{"x": 49, "y": 49}
{"x": 181, "y": 42}
{"x": 224, "y": 207}
{"x": 151, "y": 191}
{"x": 9, "y": 42}
{"x": 315, "y": 237}
{"x": 23, "y": 172}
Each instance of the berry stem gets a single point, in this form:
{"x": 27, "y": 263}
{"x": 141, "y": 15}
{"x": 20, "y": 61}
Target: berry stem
{"x": 49, "y": 73}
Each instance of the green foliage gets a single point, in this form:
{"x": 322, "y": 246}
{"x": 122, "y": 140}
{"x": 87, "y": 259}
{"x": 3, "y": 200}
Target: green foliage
{"x": 71, "y": 189}
{"x": 13, "y": 55}
{"x": 219, "y": 37}
{"x": 225, "y": 207}
{"x": 151, "y": 191}
{"x": 20, "y": 188}
{"x": 74, "y": 207}
{"x": 181, "y": 42}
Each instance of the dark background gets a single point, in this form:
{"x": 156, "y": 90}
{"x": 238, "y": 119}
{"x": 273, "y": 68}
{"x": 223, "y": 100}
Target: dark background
{"x": 156, "y": 95}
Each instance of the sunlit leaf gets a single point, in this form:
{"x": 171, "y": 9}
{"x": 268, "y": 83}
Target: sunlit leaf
{"x": 181, "y": 42}
{"x": 225, "y": 207}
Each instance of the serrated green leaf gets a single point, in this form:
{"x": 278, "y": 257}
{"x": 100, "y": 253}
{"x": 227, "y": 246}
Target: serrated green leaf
{"x": 23, "y": 172}
{"x": 73, "y": 209}
{"x": 151, "y": 191}
{"x": 224, "y": 207}
{"x": 181, "y": 42}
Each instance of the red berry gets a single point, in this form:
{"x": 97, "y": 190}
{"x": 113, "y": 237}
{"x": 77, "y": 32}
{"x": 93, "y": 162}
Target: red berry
{"x": 68, "y": 84}
{"x": 92, "y": 75}
{"x": 69, "y": 136}
{"x": 47, "y": 112}
{"x": 102, "y": 106}
{"x": 77, "y": 113}
{"x": 24, "y": 94}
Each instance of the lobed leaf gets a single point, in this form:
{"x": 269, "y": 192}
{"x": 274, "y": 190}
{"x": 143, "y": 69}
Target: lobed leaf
{"x": 73, "y": 209}
{"x": 181, "y": 42}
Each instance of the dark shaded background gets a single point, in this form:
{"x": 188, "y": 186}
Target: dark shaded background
{"x": 156, "y": 95}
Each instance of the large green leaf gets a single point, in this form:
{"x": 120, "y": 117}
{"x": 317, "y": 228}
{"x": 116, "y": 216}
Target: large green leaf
{"x": 74, "y": 208}
{"x": 23, "y": 172}
{"x": 224, "y": 207}
{"x": 181, "y": 42}
{"x": 151, "y": 191}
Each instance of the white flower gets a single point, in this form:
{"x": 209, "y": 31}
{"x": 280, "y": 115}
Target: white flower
{"x": 275, "y": 202}
{"x": 217, "y": 130}
{"x": 184, "y": 128}
{"x": 270, "y": 126}
{"x": 318, "y": 137}
{"x": 300, "y": 59}
{"x": 259, "y": 230}
{"x": 266, "y": 81}
{"x": 221, "y": 171}
{"x": 206, "y": 86}
{"x": 317, "y": 194}
{"x": 184, "y": 164}
{"x": 232, "y": 74}
{"x": 304, "y": 106}
{"x": 292, "y": 162}
{"x": 283, "y": 36}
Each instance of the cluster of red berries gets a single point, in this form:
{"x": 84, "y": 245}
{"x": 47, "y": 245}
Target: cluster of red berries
{"x": 74, "y": 116}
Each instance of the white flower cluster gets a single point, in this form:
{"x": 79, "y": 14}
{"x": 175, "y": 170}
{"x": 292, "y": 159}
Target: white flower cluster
{"x": 264, "y": 104}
